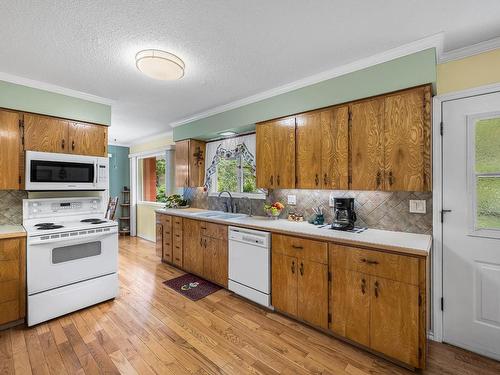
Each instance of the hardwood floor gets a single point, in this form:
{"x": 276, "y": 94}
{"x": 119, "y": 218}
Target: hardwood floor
{"x": 150, "y": 329}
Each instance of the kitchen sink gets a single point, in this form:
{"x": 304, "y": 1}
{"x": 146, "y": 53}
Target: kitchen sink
{"x": 219, "y": 215}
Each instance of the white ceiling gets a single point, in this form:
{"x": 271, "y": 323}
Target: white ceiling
{"x": 232, "y": 48}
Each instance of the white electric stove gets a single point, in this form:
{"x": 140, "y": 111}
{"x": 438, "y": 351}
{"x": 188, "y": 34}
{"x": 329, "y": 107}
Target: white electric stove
{"x": 72, "y": 256}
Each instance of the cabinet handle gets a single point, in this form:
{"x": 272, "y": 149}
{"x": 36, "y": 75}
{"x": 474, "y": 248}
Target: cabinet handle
{"x": 72, "y": 145}
{"x": 391, "y": 178}
{"x": 368, "y": 261}
{"x": 301, "y": 269}
{"x": 376, "y": 289}
{"x": 293, "y": 266}
{"x": 205, "y": 243}
{"x": 278, "y": 180}
{"x": 325, "y": 179}
{"x": 201, "y": 242}
{"x": 379, "y": 178}
{"x": 177, "y": 259}
{"x": 63, "y": 142}
{"x": 363, "y": 286}
{"x": 297, "y": 247}
{"x": 316, "y": 180}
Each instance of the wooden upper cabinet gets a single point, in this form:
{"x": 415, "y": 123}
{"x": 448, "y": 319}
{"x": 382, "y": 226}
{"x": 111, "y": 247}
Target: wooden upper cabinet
{"x": 46, "y": 134}
{"x": 367, "y": 156}
{"x": 407, "y": 141}
{"x": 309, "y": 150}
{"x": 190, "y": 163}
{"x": 335, "y": 148}
{"x": 88, "y": 139}
{"x": 10, "y": 151}
{"x": 275, "y": 157}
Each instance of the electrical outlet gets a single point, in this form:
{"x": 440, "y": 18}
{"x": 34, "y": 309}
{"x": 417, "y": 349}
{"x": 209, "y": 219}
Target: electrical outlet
{"x": 417, "y": 206}
{"x": 331, "y": 200}
{"x": 292, "y": 199}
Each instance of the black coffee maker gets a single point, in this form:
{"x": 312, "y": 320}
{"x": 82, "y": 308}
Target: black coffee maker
{"x": 344, "y": 216}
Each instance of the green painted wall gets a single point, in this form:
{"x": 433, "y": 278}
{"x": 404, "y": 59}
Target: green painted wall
{"x": 23, "y": 98}
{"x": 119, "y": 172}
{"x": 408, "y": 71}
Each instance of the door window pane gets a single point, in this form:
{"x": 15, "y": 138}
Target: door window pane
{"x": 152, "y": 179}
{"x": 75, "y": 252}
{"x": 488, "y": 203}
{"x": 488, "y": 145}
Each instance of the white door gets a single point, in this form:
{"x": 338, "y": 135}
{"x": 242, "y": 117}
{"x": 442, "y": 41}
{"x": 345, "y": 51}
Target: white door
{"x": 471, "y": 230}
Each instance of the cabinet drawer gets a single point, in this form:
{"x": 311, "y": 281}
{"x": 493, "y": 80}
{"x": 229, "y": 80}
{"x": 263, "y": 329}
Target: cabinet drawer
{"x": 390, "y": 266}
{"x": 177, "y": 223}
{"x": 177, "y": 255}
{"x": 212, "y": 230}
{"x": 9, "y": 291}
{"x": 9, "y": 311}
{"x": 166, "y": 219}
{"x": 167, "y": 252}
{"x": 315, "y": 251}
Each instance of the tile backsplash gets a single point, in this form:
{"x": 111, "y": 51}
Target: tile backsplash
{"x": 11, "y": 206}
{"x": 374, "y": 209}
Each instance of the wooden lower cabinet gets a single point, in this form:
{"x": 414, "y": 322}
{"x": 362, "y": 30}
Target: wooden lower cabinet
{"x": 193, "y": 246}
{"x": 312, "y": 287}
{"x": 215, "y": 260}
{"x": 12, "y": 280}
{"x": 284, "y": 283}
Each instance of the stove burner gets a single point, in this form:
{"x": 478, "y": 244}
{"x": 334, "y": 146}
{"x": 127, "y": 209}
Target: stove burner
{"x": 43, "y": 224}
{"x": 91, "y": 220}
{"x": 48, "y": 227}
{"x": 98, "y": 222}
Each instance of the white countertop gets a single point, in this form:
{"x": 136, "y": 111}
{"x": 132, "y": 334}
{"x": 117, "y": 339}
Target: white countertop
{"x": 402, "y": 242}
{"x": 11, "y": 231}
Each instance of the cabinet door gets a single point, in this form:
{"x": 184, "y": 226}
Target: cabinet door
{"x": 88, "y": 139}
{"x": 367, "y": 157}
{"x": 394, "y": 319}
{"x": 10, "y": 151}
{"x": 265, "y": 155}
{"x": 335, "y": 148}
{"x": 159, "y": 240}
{"x": 308, "y": 158}
{"x": 350, "y": 305}
{"x": 196, "y": 159}
{"x": 182, "y": 163}
{"x": 193, "y": 246}
{"x": 215, "y": 266}
{"x": 46, "y": 134}
{"x": 313, "y": 293}
{"x": 12, "y": 279}
{"x": 167, "y": 239}
{"x": 405, "y": 141}
{"x": 284, "y": 283}
{"x": 284, "y": 153}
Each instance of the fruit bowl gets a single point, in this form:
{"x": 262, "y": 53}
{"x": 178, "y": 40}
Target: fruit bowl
{"x": 274, "y": 210}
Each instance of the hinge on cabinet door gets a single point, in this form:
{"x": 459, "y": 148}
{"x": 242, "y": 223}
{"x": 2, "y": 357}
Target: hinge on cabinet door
{"x": 296, "y": 181}
{"x": 329, "y": 318}
{"x": 349, "y": 179}
{"x": 329, "y": 276}
{"x": 350, "y": 115}
{"x": 441, "y": 126}
{"x": 19, "y": 179}
{"x": 442, "y": 304}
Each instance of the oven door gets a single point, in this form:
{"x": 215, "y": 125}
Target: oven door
{"x": 62, "y": 262}
{"x": 48, "y": 171}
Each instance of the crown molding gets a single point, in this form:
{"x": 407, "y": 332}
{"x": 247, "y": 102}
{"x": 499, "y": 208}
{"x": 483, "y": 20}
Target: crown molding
{"x": 111, "y": 143}
{"x": 474, "y": 49}
{"x": 138, "y": 141}
{"x": 53, "y": 88}
{"x": 433, "y": 41}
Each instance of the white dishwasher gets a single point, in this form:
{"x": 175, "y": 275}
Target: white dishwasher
{"x": 250, "y": 264}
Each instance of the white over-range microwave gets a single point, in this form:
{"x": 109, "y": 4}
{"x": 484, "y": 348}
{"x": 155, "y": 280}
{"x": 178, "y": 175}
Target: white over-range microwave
{"x": 47, "y": 171}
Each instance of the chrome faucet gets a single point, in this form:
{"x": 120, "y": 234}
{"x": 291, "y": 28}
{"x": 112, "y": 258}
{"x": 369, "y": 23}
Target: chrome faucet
{"x": 230, "y": 208}
{"x": 249, "y": 205}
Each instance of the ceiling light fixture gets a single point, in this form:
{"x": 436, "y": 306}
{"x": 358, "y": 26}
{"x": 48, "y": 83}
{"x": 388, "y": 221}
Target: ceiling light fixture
{"x": 159, "y": 64}
{"x": 226, "y": 134}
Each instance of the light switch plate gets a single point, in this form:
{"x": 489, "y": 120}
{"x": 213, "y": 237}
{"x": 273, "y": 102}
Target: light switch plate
{"x": 292, "y": 199}
{"x": 331, "y": 200}
{"x": 417, "y": 206}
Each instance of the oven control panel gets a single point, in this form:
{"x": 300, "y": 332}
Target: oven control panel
{"x": 39, "y": 208}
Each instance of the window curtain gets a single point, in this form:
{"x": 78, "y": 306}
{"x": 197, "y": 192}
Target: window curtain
{"x": 230, "y": 148}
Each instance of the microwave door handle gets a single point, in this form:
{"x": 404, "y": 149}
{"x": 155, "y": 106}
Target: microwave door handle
{"x": 96, "y": 173}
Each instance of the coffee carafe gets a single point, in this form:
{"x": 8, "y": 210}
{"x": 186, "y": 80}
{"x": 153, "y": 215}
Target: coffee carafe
{"x": 344, "y": 216}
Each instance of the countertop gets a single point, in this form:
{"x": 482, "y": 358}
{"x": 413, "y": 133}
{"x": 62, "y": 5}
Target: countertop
{"x": 400, "y": 242}
{"x": 11, "y": 231}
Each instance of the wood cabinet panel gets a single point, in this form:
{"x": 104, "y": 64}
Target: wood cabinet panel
{"x": 334, "y": 137}
{"x": 167, "y": 238}
{"x": 197, "y": 164}
{"x": 308, "y": 150}
{"x": 315, "y": 251}
{"x": 366, "y": 134}
{"x": 159, "y": 239}
{"x": 193, "y": 246}
{"x": 313, "y": 293}
{"x": 404, "y": 141}
{"x": 284, "y": 283}
{"x": 390, "y": 266}
{"x": 284, "y": 153}
{"x": 213, "y": 230}
{"x": 10, "y": 151}
{"x": 181, "y": 163}
{"x": 46, "y": 134}
{"x": 350, "y": 305}
{"x": 9, "y": 312}
{"x": 88, "y": 139}
{"x": 12, "y": 279}
{"x": 9, "y": 290}
{"x": 265, "y": 155}
{"x": 215, "y": 260}
{"x": 394, "y": 320}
